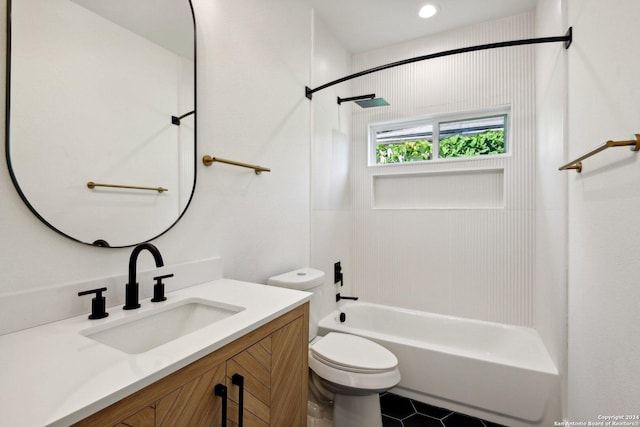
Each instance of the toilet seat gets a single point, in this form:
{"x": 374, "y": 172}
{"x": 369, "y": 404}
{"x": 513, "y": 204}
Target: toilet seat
{"x": 352, "y": 353}
{"x": 353, "y": 362}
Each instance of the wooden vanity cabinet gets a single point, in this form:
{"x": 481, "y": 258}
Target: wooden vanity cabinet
{"x": 271, "y": 362}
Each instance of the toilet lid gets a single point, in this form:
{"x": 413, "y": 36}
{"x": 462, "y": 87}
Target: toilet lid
{"x": 353, "y": 353}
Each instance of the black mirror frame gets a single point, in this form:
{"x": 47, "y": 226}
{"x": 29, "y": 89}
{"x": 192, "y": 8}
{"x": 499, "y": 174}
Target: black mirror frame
{"x": 97, "y": 243}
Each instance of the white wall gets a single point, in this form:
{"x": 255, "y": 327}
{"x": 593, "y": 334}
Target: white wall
{"x": 253, "y": 64}
{"x": 604, "y": 293}
{"x": 550, "y": 311}
{"x": 469, "y": 262}
{"x": 330, "y": 184}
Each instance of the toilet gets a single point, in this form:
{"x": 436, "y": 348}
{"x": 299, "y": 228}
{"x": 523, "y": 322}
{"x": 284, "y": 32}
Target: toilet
{"x": 347, "y": 369}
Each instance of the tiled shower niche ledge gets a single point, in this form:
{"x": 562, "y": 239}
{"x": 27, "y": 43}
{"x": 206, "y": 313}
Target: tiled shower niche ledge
{"x": 462, "y": 189}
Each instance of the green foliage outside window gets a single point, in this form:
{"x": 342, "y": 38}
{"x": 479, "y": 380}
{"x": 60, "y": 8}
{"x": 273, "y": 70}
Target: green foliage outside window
{"x": 409, "y": 151}
{"x": 486, "y": 143}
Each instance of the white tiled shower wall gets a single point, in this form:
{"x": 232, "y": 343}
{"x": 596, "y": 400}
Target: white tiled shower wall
{"x": 465, "y": 261}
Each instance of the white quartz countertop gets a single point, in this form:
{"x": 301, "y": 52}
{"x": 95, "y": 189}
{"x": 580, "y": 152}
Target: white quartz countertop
{"x": 52, "y": 375}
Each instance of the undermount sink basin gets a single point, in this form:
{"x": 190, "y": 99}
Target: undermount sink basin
{"x": 148, "y": 330}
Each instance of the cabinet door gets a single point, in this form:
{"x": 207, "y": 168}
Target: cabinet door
{"x": 254, "y": 366}
{"x": 179, "y": 404}
{"x": 193, "y": 404}
{"x": 289, "y": 374}
{"x": 274, "y": 372}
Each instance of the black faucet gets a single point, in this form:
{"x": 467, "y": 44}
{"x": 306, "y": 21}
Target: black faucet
{"x": 131, "y": 290}
{"x": 340, "y": 297}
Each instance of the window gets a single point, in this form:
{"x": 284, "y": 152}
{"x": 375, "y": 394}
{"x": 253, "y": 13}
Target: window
{"x": 437, "y": 138}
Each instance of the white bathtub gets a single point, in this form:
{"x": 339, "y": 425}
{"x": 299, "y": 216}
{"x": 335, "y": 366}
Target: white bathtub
{"x": 500, "y": 372}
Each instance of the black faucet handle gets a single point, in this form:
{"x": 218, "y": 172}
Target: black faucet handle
{"x": 158, "y": 288}
{"x": 98, "y": 303}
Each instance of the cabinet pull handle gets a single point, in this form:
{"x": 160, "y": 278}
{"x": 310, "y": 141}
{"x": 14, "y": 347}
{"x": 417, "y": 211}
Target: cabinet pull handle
{"x": 238, "y": 380}
{"x": 221, "y": 390}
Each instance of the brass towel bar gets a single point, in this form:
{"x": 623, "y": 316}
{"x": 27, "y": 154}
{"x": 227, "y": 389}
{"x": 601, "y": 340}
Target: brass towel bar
{"x": 577, "y": 163}
{"x": 208, "y": 161}
{"x": 92, "y": 184}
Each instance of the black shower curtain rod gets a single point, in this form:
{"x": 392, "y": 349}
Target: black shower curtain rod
{"x": 176, "y": 120}
{"x": 567, "y": 39}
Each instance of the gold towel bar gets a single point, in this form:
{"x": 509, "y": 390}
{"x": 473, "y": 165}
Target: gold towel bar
{"x": 208, "y": 161}
{"x": 577, "y": 163}
{"x": 92, "y": 184}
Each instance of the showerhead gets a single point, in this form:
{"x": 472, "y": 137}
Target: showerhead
{"x": 375, "y": 102}
{"x": 365, "y": 101}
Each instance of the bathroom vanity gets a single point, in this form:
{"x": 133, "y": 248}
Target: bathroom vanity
{"x": 270, "y": 362}
{"x": 251, "y": 363}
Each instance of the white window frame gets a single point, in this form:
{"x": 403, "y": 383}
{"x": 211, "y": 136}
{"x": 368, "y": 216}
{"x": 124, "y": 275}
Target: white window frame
{"x": 435, "y": 121}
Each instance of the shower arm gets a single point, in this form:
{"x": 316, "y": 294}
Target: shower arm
{"x": 567, "y": 39}
{"x": 356, "y": 98}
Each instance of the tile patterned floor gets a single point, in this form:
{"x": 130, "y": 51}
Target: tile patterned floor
{"x": 398, "y": 411}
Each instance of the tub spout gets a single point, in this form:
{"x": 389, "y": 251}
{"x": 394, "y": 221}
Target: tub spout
{"x": 340, "y": 297}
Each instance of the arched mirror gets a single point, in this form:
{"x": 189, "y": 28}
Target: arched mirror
{"x": 100, "y": 130}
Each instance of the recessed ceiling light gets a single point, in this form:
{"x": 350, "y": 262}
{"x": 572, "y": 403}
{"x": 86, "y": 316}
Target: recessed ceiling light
{"x": 428, "y": 10}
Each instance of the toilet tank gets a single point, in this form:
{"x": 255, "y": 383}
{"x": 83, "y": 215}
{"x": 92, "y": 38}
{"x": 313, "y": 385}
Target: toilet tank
{"x": 304, "y": 279}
